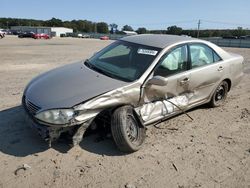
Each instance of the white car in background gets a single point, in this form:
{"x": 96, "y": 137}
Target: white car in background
{"x": 2, "y": 34}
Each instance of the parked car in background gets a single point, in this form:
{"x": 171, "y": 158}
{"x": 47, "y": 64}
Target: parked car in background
{"x": 80, "y": 35}
{"x": 2, "y": 34}
{"x": 41, "y": 36}
{"x": 26, "y": 35}
{"x": 104, "y": 38}
{"x": 86, "y": 36}
{"x": 134, "y": 82}
{"x": 16, "y": 32}
{"x": 247, "y": 37}
{"x": 5, "y": 31}
{"x": 230, "y": 37}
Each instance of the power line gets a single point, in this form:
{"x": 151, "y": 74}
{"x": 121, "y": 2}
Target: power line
{"x": 161, "y": 23}
{"x": 225, "y": 23}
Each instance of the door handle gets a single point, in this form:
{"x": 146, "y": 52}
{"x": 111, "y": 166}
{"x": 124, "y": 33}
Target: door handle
{"x": 220, "y": 68}
{"x": 184, "y": 81}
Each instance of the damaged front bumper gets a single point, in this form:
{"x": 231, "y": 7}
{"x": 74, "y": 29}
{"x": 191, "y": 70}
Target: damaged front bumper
{"x": 51, "y": 133}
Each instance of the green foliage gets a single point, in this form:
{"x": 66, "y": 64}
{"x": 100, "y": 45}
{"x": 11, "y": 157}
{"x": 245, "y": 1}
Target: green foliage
{"x": 141, "y": 30}
{"x": 113, "y": 28}
{"x": 174, "y": 30}
{"x": 127, "y": 28}
{"x": 102, "y": 27}
{"x": 204, "y": 33}
{"x": 54, "y": 22}
{"x": 77, "y": 25}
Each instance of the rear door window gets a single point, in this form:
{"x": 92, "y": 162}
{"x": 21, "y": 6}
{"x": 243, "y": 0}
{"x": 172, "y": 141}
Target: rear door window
{"x": 201, "y": 55}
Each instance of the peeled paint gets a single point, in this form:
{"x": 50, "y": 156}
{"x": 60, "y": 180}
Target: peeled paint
{"x": 159, "y": 109}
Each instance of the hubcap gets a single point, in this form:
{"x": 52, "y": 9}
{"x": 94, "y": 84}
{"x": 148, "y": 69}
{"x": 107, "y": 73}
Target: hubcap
{"x": 220, "y": 93}
{"x": 132, "y": 129}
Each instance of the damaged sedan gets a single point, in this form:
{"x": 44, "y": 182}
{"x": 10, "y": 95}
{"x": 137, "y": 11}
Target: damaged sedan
{"x": 134, "y": 82}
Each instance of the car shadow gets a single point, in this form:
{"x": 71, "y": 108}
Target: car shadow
{"x": 105, "y": 146}
{"x": 18, "y": 139}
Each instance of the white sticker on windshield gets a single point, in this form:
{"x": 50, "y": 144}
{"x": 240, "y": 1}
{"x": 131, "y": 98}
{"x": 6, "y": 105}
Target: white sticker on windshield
{"x": 147, "y": 52}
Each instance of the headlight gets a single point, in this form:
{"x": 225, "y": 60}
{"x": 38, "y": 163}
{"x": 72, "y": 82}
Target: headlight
{"x": 59, "y": 116}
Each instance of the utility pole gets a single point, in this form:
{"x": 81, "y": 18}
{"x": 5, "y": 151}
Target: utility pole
{"x": 198, "y": 31}
{"x": 95, "y": 28}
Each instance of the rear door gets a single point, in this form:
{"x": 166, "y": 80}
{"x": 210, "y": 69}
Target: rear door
{"x": 206, "y": 71}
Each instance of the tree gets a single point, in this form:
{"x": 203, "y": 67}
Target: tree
{"x": 54, "y": 22}
{"x": 141, "y": 30}
{"x": 174, "y": 30}
{"x": 127, "y": 28}
{"x": 239, "y": 32}
{"x": 113, "y": 28}
{"x": 102, "y": 27}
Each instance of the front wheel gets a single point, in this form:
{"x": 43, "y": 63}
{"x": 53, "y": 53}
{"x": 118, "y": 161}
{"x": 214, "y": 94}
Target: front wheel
{"x": 127, "y": 132}
{"x": 219, "y": 95}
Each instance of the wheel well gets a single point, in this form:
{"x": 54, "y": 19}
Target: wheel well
{"x": 229, "y": 83}
{"x": 134, "y": 112}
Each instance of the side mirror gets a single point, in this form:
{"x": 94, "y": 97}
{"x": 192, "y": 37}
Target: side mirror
{"x": 158, "y": 80}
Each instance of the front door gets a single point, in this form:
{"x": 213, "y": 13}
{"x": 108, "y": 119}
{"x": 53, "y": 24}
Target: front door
{"x": 158, "y": 100}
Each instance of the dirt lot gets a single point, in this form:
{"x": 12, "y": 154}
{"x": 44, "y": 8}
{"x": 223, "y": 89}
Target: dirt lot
{"x": 211, "y": 151}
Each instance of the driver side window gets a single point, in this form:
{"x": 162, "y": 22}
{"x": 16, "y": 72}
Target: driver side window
{"x": 173, "y": 62}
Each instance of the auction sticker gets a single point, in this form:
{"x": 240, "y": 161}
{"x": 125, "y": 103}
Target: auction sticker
{"x": 147, "y": 52}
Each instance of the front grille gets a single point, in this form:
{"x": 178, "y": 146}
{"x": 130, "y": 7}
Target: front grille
{"x": 32, "y": 108}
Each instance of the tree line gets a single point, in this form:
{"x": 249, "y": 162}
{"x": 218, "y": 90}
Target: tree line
{"x": 103, "y": 27}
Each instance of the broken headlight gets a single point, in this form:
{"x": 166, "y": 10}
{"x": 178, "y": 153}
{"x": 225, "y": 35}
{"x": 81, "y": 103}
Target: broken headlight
{"x": 58, "y": 116}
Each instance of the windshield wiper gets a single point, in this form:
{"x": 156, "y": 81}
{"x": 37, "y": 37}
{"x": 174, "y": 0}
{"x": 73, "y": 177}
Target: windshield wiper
{"x": 103, "y": 72}
{"x": 87, "y": 63}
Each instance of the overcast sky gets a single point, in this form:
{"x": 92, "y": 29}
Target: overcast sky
{"x": 153, "y": 14}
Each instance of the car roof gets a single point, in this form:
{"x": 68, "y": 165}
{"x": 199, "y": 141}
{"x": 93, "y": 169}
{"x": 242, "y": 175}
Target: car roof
{"x": 158, "y": 40}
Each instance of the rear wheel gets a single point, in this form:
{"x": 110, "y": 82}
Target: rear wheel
{"x": 219, "y": 95}
{"x": 127, "y": 132}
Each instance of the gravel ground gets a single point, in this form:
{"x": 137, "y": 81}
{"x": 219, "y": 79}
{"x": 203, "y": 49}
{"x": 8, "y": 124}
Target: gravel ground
{"x": 211, "y": 151}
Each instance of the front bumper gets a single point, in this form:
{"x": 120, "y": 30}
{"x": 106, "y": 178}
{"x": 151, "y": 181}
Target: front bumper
{"x": 47, "y": 133}
{"x": 51, "y": 133}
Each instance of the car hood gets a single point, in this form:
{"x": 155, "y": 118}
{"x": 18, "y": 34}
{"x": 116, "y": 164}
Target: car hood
{"x": 67, "y": 86}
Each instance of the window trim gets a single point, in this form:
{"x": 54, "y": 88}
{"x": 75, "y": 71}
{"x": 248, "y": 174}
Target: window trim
{"x": 188, "y": 63}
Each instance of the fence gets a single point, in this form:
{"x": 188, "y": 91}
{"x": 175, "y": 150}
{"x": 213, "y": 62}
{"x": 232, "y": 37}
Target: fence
{"x": 238, "y": 43}
{"x": 98, "y": 35}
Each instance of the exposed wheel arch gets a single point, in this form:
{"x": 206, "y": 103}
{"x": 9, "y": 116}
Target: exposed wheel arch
{"x": 229, "y": 83}
{"x": 138, "y": 118}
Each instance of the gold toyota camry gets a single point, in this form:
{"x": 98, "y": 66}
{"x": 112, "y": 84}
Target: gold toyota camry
{"x": 134, "y": 82}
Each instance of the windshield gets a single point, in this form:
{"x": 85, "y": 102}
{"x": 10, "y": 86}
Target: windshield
{"x": 123, "y": 60}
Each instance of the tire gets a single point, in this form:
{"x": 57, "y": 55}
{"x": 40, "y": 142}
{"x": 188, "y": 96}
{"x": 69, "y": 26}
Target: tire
{"x": 128, "y": 133}
{"x": 220, "y": 95}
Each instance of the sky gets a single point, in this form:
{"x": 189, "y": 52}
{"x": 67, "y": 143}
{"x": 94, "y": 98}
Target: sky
{"x": 152, "y": 14}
